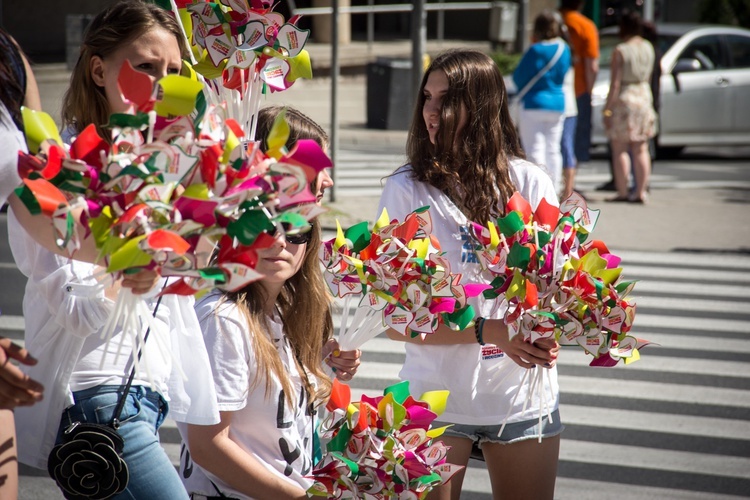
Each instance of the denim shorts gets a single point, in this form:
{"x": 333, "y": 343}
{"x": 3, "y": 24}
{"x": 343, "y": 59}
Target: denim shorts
{"x": 512, "y": 433}
{"x": 567, "y": 143}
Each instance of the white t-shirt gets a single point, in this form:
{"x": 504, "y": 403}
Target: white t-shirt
{"x": 278, "y": 436}
{"x": 482, "y": 381}
{"x": 11, "y": 140}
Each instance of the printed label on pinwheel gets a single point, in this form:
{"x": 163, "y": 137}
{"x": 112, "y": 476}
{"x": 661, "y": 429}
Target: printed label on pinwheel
{"x": 614, "y": 320}
{"x": 253, "y": 38}
{"x": 625, "y": 348}
{"x": 447, "y": 471}
{"x": 292, "y": 39}
{"x": 570, "y": 333}
{"x": 274, "y": 73}
{"x": 592, "y": 342}
{"x": 238, "y": 276}
{"x": 399, "y": 320}
{"x": 373, "y": 301}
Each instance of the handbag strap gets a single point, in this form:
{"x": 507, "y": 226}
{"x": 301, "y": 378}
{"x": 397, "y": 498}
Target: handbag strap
{"x": 542, "y": 72}
{"x": 115, "y": 423}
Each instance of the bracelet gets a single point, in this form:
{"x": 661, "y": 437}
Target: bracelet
{"x": 478, "y": 327}
{"x": 607, "y": 112}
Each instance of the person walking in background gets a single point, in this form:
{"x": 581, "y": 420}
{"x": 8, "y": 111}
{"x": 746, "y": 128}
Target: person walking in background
{"x": 567, "y": 143}
{"x": 629, "y": 116}
{"x": 584, "y": 41}
{"x": 465, "y": 162}
{"x": 542, "y": 70}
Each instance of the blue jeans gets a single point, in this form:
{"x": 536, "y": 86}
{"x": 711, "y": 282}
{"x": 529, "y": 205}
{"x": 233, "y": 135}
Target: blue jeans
{"x": 152, "y": 474}
{"x": 583, "y": 128}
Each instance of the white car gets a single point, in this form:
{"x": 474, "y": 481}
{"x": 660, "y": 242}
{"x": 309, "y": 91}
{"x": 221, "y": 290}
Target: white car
{"x": 705, "y": 86}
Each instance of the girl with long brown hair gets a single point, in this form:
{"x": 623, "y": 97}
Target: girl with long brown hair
{"x": 465, "y": 163}
{"x": 265, "y": 345}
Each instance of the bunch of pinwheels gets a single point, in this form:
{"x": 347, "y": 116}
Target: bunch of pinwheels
{"x": 240, "y": 47}
{"x": 170, "y": 178}
{"x": 399, "y": 277}
{"x": 382, "y": 447}
{"x": 557, "y": 285}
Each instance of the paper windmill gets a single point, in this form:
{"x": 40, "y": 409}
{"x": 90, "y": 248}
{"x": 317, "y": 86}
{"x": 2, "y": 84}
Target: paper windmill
{"x": 166, "y": 183}
{"x": 555, "y": 284}
{"x": 240, "y": 47}
{"x": 397, "y": 272}
{"x": 382, "y": 447}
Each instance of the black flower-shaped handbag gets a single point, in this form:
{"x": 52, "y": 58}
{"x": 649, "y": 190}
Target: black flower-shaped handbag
{"x": 88, "y": 464}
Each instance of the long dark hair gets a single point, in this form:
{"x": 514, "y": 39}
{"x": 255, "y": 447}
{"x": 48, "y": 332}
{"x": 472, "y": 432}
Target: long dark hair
{"x": 85, "y": 102}
{"x": 12, "y": 77}
{"x": 471, "y": 166}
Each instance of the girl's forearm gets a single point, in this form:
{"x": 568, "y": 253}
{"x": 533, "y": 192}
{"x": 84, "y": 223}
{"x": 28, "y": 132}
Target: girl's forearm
{"x": 225, "y": 459}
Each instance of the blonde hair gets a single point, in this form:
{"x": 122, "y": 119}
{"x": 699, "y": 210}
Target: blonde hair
{"x": 85, "y": 102}
{"x": 303, "y": 305}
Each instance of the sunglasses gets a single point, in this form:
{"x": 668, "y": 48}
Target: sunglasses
{"x": 294, "y": 239}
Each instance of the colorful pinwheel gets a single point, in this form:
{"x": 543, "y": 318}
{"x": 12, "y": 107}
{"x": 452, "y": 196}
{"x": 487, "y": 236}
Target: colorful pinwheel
{"x": 397, "y": 273}
{"x": 171, "y": 184}
{"x": 240, "y": 48}
{"x": 382, "y": 447}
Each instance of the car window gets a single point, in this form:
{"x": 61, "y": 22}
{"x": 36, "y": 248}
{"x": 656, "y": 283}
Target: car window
{"x": 707, "y": 50}
{"x": 739, "y": 50}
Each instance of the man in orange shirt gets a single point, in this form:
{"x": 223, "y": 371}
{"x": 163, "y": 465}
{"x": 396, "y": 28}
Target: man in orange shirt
{"x": 584, "y": 41}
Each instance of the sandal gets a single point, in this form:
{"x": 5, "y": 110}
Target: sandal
{"x": 618, "y": 199}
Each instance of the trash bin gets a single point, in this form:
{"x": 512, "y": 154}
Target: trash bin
{"x": 75, "y": 27}
{"x": 503, "y": 22}
{"x": 389, "y": 101}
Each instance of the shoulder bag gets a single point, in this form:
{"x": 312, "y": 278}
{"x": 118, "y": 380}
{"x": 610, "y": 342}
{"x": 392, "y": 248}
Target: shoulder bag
{"x": 514, "y": 103}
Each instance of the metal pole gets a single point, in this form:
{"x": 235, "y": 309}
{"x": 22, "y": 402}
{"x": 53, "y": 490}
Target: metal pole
{"x": 419, "y": 40}
{"x": 334, "y": 94}
{"x": 370, "y": 26}
{"x": 441, "y": 23}
{"x": 648, "y": 10}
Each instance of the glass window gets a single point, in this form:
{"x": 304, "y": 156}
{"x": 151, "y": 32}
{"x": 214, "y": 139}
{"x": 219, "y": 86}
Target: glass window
{"x": 707, "y": 50}
{"x": 739, "y": 50}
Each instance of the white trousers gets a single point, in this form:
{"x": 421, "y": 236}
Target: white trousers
{"x": 541, "y": 131}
